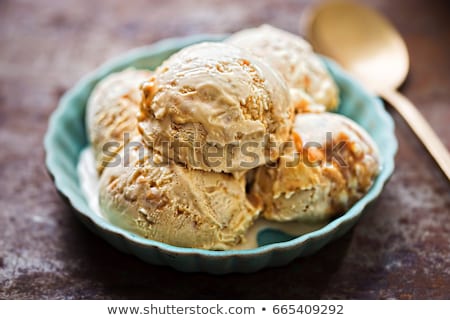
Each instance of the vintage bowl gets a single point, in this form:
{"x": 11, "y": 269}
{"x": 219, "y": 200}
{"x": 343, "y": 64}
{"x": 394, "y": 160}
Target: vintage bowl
{"x": 66, "y": 138}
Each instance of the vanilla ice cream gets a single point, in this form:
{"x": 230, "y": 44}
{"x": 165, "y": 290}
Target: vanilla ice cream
{"x": 215, "y": 107}
{"x": 111, "y": 112}
{"x": 318, "y": 177}
{"x": 294, "y": 58}
{"x": 142, "y": 192}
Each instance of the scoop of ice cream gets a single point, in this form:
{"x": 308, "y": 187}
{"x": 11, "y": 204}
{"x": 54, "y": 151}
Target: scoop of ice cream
{"x": 215, "y": 107}
{"x": 294, "y": 58}
{"x": 142, "y": 192}
{"x": 111, "y": 112}
{"x": 331, "y": 163}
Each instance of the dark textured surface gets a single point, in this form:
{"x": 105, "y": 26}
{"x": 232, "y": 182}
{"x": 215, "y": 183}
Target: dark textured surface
{"x": 400, "y": 248}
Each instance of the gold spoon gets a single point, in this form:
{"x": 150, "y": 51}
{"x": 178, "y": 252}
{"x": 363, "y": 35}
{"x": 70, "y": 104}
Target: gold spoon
{"x": 370, "y": 48}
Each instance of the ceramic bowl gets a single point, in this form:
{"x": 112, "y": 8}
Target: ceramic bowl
{"x": 66, "y": 138}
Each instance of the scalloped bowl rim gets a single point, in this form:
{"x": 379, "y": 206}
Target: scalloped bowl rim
{"x": 166, "y": 45}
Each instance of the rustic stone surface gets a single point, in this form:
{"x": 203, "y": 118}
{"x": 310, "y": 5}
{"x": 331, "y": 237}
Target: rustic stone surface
{"x": 400, "y": 248}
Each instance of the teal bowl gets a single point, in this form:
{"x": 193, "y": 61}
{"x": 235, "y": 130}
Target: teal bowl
{"x": 66, "y": 138}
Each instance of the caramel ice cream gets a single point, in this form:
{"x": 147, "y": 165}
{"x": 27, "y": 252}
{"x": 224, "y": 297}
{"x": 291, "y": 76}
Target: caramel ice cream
{"x": 111, "y": 112}
{"x": 142, "y": 192}
{"x": 312, "y": 88}
{"x": 203, "y": 128}
{"x": 215, "y": 107}
{"x": 311, "y": 182}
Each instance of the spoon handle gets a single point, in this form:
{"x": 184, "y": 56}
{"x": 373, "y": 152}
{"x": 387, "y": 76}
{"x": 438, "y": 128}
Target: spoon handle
{"x": 421, "y": 128}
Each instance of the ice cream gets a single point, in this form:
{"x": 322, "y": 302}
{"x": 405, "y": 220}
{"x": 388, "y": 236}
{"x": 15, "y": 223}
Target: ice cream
{"x": 331, "y": 163}
{"x": 204, "y": 128}
{"x": 312, "y": 88}
{"x": 111, "y": 112}
{"x": 215, "y": 107}
{"x": 142, "y": 192}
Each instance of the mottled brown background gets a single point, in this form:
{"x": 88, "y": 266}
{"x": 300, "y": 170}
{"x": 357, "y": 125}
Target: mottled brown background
{"x": 400, "y": 248}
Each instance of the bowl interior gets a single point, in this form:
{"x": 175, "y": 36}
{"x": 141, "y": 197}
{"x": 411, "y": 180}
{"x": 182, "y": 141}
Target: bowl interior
{"x": 66, "y": 137}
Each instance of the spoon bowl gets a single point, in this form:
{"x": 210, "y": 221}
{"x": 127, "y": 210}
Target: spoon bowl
{"x": 362, "y": 41}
